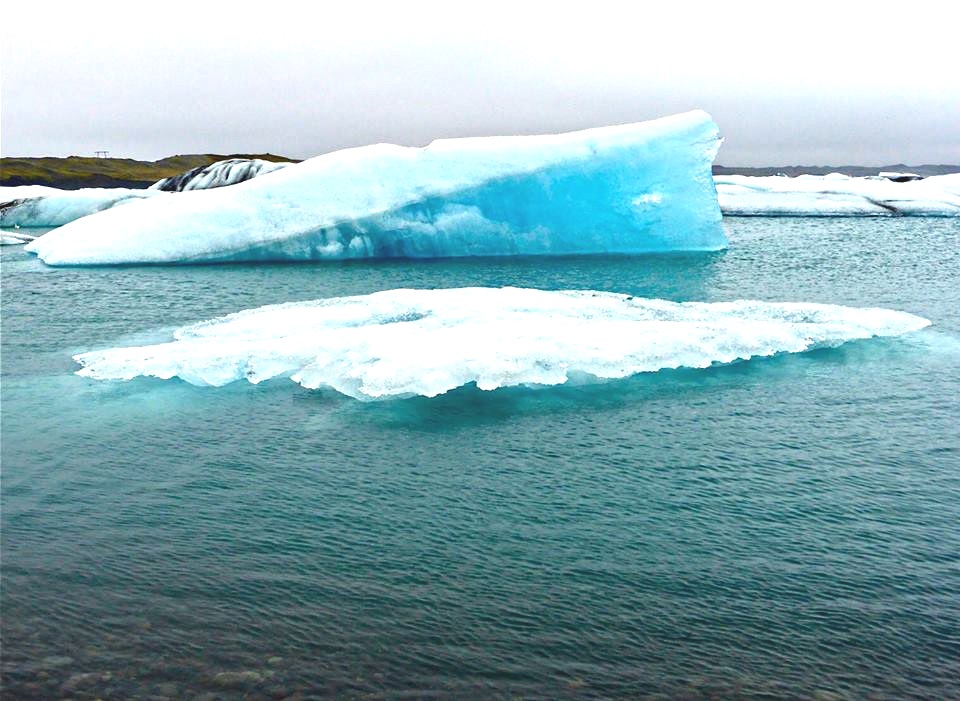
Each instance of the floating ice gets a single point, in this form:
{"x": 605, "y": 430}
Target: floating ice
{"x": 40, "y": 206}
{"x": 220, "y": 174}
{"x": 838, "y": 195}
{"x": 402, "y": 343}
{"x": 14, "y": 238}
{"x": 625, "y": 189}
{"x": 898, "y": 177}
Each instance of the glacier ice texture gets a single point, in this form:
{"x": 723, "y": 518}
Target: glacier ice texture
{"x": 38, "y": 206}
{"x": 220, "y": 174}
{"x": 631, "y": 188}
{"x": 406, "y": 342}
{"x": 838, "y": 195}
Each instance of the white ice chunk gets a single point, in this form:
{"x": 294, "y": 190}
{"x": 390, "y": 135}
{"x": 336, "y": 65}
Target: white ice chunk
{"x": 40, "y": 206}
{"x": 14, "y": 238}
{"x": 838, "y": 195}
{"x": 898, "y": 177}
{"x": 402, "y": 343}
{"x": 623, "y": 189}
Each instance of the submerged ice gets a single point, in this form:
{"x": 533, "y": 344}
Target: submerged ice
{"x": 402, "y": 343}
{"x": 625, "y": 189}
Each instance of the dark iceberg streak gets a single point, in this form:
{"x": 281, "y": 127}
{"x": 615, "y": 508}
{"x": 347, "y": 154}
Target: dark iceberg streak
{"x": 219, "y": 174}
{"x": 11, "y": 204}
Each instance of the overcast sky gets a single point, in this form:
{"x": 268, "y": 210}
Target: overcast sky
{"x": 788, "y": 82}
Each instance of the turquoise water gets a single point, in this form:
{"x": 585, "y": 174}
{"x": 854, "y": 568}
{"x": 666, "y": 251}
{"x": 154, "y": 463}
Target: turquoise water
{"x": 777, "y": 529}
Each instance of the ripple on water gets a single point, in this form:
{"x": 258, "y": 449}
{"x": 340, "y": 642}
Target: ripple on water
{"x": 781, "y": 529}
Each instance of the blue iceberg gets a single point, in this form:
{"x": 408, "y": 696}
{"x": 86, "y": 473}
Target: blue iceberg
{"x": 633, "y": 188}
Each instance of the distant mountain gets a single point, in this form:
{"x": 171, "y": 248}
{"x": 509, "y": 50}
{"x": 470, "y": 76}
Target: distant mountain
{"x": 856, "y": 171}
{"x": 76, "y": 172}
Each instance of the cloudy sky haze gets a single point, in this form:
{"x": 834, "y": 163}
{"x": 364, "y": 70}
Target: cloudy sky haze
{"x": 788, "y": 83}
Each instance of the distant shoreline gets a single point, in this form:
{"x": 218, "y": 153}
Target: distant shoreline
{"x": 76, "y": 172}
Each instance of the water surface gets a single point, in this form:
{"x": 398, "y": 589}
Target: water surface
{"x": 775, "y": 529}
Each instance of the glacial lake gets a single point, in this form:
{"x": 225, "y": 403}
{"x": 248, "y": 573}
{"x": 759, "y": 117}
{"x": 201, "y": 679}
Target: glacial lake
{"x": 782, "y": 528}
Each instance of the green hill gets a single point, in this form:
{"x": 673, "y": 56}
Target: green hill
{"x": 74, "y": 172}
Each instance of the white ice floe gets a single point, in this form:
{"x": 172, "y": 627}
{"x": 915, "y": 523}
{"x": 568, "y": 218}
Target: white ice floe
{"x": 402, "y": 343}
{"x": 14, "y": 238}
{"x": 36, "y": 206}
{"x": 624, "y": 189}
{"x": 220, "y": 174}
{"x": 898, "y": 177}
{"x": 838, "y": 195}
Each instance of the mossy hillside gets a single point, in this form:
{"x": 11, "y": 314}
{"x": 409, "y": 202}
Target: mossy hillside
{"x": 75, "y": 172}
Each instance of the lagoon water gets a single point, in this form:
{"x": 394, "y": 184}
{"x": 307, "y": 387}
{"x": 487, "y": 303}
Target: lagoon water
{"x": 783, "y": 528}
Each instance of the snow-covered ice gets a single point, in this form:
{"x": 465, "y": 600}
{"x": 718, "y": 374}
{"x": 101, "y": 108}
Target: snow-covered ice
{"x": 22, "y": 192}
{"x": 220, "y": 174}
{"x": 838, "y": 195}
{"x": 35, "y": 206}
{"x": 624, "y": 189}
{"x": 402, "y": 343}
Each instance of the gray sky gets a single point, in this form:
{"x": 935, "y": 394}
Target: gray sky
{"x": 788, "y": 82}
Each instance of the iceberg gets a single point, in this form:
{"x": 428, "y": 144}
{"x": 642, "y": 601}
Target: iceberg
{"x": 632, "y": 188}
{"x": 406, "y": 342}
{"x": 836, "y": 195}
{"x": 219, "y": 174}
{"x": 37, "y": 206}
